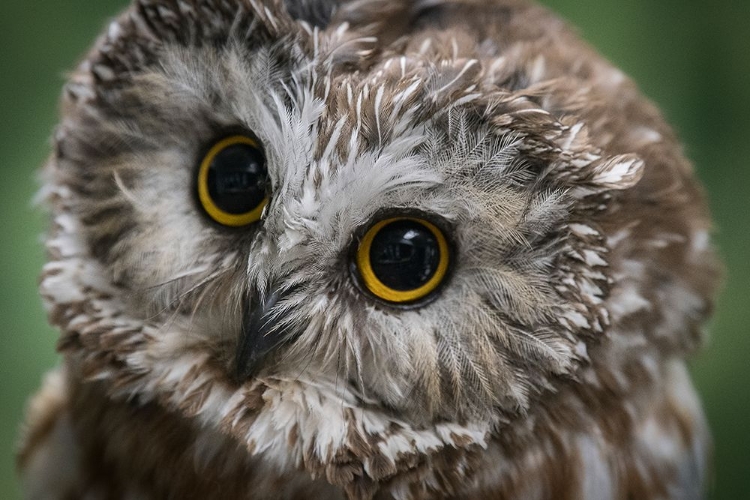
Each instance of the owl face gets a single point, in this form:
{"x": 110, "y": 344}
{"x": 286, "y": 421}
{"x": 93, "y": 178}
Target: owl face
{"x": 286, "y": 292}
{"x": 292, "y": 216}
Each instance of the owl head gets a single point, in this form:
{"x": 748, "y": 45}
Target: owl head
{"x": 356, "y": 236}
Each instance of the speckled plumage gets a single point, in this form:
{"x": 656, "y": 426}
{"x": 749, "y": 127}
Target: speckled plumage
{"x": 552, "y": 365}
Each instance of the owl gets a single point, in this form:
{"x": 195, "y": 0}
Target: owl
{"x": 366, "y": 249}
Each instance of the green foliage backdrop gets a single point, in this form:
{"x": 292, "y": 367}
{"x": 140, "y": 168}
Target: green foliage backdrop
{"x": 692, "y": 57}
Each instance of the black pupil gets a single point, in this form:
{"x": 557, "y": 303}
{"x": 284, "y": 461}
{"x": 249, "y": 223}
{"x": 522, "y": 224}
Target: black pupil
{"x": 404, "y": 255}
{"x": 237, "y": 179}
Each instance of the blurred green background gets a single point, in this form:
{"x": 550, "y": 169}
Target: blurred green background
{"x": 691, "y": 57}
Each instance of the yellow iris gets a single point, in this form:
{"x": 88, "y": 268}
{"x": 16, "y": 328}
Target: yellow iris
{"x": 209, "y": 204}
{"x": 375, "y": 285}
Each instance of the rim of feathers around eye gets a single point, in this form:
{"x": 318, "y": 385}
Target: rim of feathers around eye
{"x": 211, "y": 207}
{"x": 416, "y": 298}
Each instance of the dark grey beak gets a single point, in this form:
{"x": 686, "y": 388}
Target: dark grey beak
{"x": 259, "y": 336}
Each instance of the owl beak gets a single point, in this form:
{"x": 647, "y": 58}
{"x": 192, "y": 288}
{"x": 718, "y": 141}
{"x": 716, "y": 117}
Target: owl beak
{"x": 259, "y": 336}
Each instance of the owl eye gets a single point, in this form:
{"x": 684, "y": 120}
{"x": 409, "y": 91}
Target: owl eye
{"x": 402, "y": 260}
{"x": 233, "y": 181}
